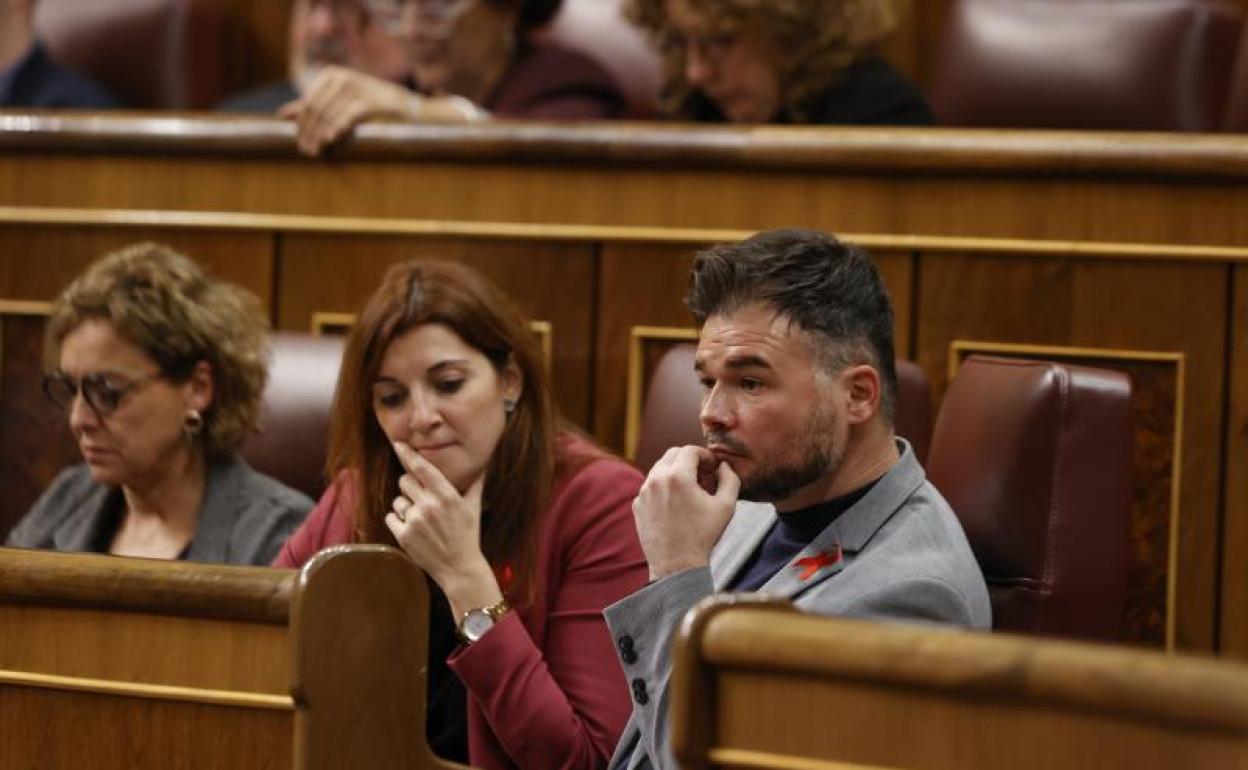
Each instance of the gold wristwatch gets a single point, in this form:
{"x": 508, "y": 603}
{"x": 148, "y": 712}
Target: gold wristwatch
{"x": 475, "y": 622}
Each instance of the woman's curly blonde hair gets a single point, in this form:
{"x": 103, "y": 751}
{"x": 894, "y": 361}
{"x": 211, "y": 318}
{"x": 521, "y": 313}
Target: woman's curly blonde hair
{"x": 163, "y": 303}
{"x": 814, "y": 39}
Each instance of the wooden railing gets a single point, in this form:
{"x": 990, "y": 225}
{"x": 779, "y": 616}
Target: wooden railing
{"x": 763, "y": 686}
{"x": 109, "y": 662}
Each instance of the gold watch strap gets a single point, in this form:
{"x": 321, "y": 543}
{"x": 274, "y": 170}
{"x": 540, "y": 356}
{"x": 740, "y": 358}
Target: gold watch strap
{"x": 496, "y": 611}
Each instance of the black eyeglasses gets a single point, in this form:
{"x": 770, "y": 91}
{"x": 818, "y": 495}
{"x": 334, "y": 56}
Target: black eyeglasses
{"x": 103, "y": 392}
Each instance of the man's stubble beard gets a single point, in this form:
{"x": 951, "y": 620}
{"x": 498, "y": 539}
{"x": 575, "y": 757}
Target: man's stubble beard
{"x": 821, "y": 457}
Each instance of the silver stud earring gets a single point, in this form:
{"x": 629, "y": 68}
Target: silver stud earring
{"x": 193, "y": 424}
{"x": 509, "y": 405}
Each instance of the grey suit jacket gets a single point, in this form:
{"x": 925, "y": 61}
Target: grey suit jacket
{"x": 244, "y": 517}
{"x": 899, "y": 553}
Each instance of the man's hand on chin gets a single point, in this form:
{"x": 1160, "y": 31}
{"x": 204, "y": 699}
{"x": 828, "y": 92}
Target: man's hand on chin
{"x": 683, "y": 508}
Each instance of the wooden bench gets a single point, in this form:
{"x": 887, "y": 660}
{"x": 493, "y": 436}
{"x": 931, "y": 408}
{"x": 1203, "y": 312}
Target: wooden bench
{"x": 110, "y": 662}
{"x": 759, "y": 685}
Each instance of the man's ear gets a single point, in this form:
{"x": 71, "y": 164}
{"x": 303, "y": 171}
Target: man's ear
{"x": 862, "y": 386}
{"x": 200, "y": 387}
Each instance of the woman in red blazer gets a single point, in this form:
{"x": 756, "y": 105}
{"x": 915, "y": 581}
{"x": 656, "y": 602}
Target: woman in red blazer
{"x": 444, "y": 442}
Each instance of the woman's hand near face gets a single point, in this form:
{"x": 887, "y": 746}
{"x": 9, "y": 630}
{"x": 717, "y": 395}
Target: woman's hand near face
{"x": 340, "y": 99}
{"x": 440, "y": 530}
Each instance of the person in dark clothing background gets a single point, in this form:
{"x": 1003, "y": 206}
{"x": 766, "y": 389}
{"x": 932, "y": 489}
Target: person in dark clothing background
{"x": 779, "y": 61}
{"x": 28, "y": 75}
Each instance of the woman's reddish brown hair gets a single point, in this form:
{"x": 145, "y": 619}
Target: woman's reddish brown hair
{"x": 520, "y": 474}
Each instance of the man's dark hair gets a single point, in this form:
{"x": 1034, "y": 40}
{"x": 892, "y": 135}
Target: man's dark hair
{"x": 828, "y": 288}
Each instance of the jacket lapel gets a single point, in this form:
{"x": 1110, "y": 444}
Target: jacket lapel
{"x": 750, "y": 524}
{"x": 217, "y": 513}
{"x": 82, "y": 527}
{"x": 838, "y": 544}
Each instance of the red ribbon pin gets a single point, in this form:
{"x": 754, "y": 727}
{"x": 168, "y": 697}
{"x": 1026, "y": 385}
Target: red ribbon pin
{"x": 812, "y": 564}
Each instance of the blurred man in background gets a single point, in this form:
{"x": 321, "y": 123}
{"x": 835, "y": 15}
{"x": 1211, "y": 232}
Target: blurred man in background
{"x": 325, "y": 32}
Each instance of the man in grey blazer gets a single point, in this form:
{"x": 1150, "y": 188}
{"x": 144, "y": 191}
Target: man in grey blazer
{"x": 802, "y": 490}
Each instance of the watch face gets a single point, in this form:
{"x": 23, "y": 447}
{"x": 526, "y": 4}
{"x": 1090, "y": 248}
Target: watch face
{"x": 475, "y": 624}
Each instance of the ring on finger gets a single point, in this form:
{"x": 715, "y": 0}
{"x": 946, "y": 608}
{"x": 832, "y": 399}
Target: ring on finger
{"x": 401, "y": 504}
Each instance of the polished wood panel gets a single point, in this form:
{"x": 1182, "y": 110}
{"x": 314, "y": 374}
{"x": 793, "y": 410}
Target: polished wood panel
{"x": 114, "y": 646}
{"x": 1119, "y": 305}
{"x": 361, "y": 658}
{"x": 549, "y": 281}
{"x": 1138, "y": 188}
{"x": 37, "y": 261}
{"x": 117, "y": 662}
{"x": 35, "y": 440}
{"x": 76, "y": 730}
{"x": 639, "y": 285}
{"x": 753, "y": 686}
{"x": 1234, "y": 616}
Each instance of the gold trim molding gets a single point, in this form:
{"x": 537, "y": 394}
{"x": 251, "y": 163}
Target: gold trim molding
{"x": 745, "y": 758}
{"x": 322, "y": 322}
{"x": 275, "y": 223}
{"x": 25, "y": 307}
{"x": 147, "y": 691}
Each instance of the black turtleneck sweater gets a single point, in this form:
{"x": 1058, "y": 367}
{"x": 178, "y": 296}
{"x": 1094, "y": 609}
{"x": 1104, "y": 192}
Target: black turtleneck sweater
{"x": 792, "y": 532}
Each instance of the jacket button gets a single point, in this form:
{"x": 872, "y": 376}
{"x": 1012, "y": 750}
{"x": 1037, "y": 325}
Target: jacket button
{"x": 639, "y": 692}
{"x": 627, "y": 652}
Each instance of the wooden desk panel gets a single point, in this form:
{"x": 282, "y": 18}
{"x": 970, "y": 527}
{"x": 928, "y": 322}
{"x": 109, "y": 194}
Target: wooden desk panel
{"x": 79, "y": 730}
{"x": 1107, "y": 305}
{"x": 1136, "y": 188}
{"x": 752, "y": 686}
{"x": 38, "y": 261}
{"x": 137, "y": 663}
{"x": 891, "y": 200}
{"x": 549, "y": 281}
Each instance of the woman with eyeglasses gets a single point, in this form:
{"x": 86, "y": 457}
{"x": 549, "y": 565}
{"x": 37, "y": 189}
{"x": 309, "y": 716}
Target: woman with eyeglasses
{"x": 470, "y": 60}
{"x": 779, "y": 61}
{"x": 160, "y": 370}
{"x": 445, "y": 442}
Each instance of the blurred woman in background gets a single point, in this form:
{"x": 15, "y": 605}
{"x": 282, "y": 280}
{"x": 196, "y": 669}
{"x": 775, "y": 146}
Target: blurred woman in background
{"x": 779, "y": 61}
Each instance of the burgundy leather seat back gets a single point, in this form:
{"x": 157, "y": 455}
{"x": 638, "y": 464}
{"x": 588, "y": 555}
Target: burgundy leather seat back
{"x": 294, "y": 418}
{"x": 1086, "y": 64}
{"x": 674, "y": 399}
{"x": 669, "y": 416}
{"x": 151, "y": 54}
{"x": 912, "y": 414}
{"x": 1035, "y": 459}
